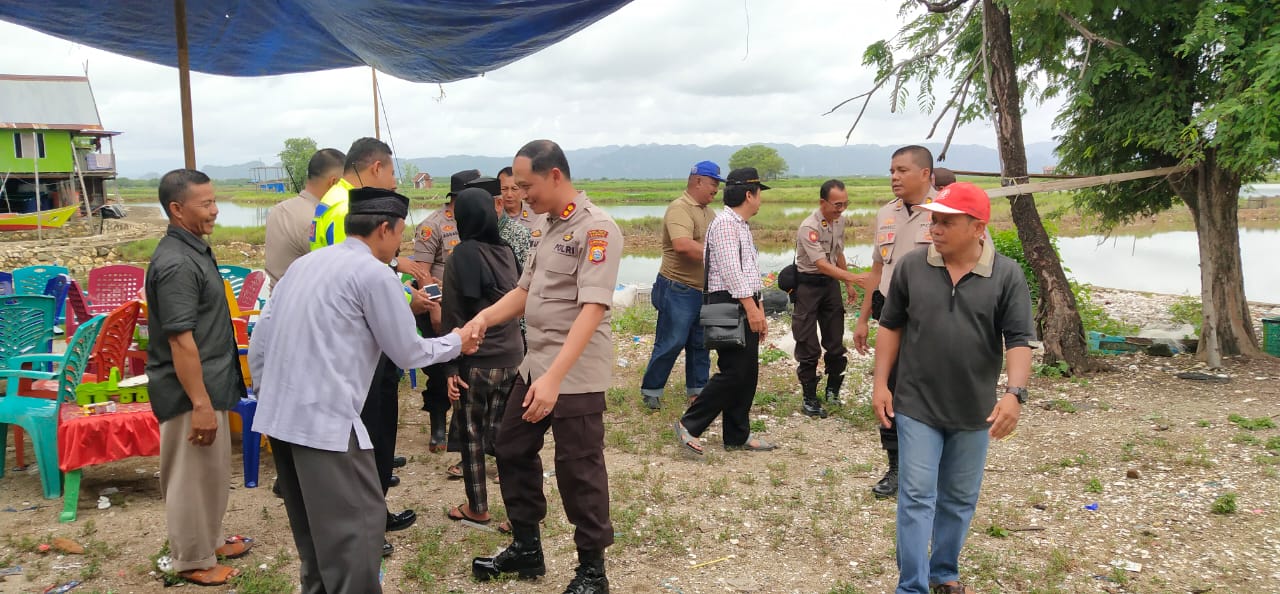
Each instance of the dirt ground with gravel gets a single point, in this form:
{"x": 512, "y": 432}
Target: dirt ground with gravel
{"x": 1109, "y": 485}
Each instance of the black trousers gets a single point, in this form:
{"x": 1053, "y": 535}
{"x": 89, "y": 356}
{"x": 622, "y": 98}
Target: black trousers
{"x": 888, "y": 437}
{"x": 818, "y": 308}
{"x": 381, "y": 417}
{"x": 577, "y": 422}
{"x": 730, "y": 392}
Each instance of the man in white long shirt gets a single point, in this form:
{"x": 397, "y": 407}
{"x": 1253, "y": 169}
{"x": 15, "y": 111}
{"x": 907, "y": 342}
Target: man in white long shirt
{"x": 312, "y": 357}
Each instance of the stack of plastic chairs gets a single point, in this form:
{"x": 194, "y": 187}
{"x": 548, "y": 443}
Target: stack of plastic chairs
{"x": 40, "y": 416}
{"x": 235, "y": 275}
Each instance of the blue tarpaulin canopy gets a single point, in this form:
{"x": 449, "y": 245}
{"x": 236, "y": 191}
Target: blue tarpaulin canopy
{"x": 417, "y": 40}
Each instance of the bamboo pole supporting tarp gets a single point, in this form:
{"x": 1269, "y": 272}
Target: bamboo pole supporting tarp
{"x": 1082, "y": 182}
{"x": 184, "y": 83}
{"x": 377, "y": 127}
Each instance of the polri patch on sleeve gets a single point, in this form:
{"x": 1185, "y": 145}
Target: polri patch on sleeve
{"x": 813, "y": 235}
{"x": 597, "y": 234}
{"x": 426, "y": 233}
{"x": 596, "y": 250}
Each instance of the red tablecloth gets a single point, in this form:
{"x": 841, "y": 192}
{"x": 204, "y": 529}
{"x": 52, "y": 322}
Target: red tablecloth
{"x": 87, "y": 440}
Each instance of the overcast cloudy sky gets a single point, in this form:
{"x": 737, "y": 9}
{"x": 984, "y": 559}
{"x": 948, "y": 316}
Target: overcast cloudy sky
{"x": 656, "y": 71}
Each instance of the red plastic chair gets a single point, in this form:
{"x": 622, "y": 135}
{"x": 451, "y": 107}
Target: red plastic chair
{"x": 113, "y": 286}
{"x": 247, "y": 298}
{"x": 113, "y": 342}
{"x": 77, "y": 308}
{"x": 109, "y": 350}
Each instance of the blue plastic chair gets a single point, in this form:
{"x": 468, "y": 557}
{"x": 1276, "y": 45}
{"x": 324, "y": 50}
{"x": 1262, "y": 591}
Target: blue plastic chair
{"x": 31, "y": 280}
{"x": 6, "y": 283}
{"x": 40, "y": 416}
{"x": 56, "y": 287}
{"x": 250, "y": 440}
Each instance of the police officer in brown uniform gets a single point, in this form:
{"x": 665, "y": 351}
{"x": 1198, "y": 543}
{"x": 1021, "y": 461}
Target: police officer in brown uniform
{"x": 901, "y": 227}
{"x": 565, "y": 293}
{"x": 821, "y": 264}
{"x": 433, "y": 241}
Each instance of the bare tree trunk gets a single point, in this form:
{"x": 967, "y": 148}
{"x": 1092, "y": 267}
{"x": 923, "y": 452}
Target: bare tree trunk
{"x": 1212, "y": 193}
{"x": 1057, "y": 320}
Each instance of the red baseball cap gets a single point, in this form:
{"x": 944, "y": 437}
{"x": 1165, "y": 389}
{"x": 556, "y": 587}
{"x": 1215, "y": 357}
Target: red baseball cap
{"x": 962, "y": 198}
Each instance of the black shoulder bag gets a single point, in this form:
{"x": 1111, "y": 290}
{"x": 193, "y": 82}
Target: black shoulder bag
{"x": 724, "y": 325}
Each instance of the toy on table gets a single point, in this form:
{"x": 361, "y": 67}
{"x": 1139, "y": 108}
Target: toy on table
{"x": 99, "y": 408}
{"x": 127, "y": 391}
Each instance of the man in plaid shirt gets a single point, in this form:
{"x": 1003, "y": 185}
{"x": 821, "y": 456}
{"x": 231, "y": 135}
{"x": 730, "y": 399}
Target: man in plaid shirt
{"x": 733, "y": 275}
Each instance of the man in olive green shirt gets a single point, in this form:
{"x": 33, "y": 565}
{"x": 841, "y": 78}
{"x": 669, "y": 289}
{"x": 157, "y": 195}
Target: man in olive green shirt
{"x": 677, "y": 292}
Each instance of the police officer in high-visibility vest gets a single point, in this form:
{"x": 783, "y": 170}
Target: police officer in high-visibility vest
{"x": 821, "y": 266}
{"x": 369, "y": 164}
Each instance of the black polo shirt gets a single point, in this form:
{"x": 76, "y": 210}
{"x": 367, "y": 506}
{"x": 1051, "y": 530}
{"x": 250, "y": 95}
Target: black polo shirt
{"x": 185, "y": 292}
{"x": 954, "y": 337}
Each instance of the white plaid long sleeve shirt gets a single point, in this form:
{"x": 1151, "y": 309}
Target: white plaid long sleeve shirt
{"x": 732, "y": 264}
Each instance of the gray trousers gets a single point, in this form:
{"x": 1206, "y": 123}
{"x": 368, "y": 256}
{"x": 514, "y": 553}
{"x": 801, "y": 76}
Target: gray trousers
{"x": 337, "y": 514}
{"x": 195, "y": 482}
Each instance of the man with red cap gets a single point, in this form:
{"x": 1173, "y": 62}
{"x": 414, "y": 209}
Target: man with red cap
{"x": 954, "y": 314}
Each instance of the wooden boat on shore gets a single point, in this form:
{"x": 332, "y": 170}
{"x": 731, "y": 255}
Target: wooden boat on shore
{"x": 26, "y": 221}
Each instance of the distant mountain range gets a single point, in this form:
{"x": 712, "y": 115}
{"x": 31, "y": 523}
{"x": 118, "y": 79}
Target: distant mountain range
{"x": 666, "y": 161}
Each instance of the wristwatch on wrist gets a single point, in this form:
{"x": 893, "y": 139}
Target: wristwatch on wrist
{"x": 1018, "y": 392}
{"x": 394, "y": 263}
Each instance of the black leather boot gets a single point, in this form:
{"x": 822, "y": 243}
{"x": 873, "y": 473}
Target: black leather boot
{"x": 523, "y": 557}
{"x": 812, "y": 407}
{"x": 590, "y": 577}
{"x": 832, "y": 393}
{"x": 439, "y": 426}
{"x": 888, "y": 486}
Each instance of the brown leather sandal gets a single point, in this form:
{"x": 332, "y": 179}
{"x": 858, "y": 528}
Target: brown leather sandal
{"x": 218, "y": 575}
{"x": 235, "y": 547}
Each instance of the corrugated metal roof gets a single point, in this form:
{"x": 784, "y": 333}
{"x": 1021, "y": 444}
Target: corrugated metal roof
{"x": 47, "y": 102}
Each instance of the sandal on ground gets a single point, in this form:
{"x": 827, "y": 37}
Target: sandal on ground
{"x": 504, "y": 526}
{"x": 235, "y": 547}
{"x": 687, "y": 440}
{"x": 455, "y": 471}
{"x": 956, "y": 588}
{"x": 457, "y": 514}
{"x": 753, "y": 444}
{"x": 218, "y": 575}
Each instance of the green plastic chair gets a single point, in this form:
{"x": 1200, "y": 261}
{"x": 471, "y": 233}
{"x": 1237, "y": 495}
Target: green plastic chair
{"x": 235, "y": 275}
{"x": 26, "y": 325}
{"x": 26, "y": 328}
{"x": 40, "y": 416}
{"x": 31, "y": 280}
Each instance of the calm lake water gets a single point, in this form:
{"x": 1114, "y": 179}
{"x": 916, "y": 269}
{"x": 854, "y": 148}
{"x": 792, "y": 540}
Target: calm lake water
{"x": 231, "y": 214}
{"x": 1162, "y": 263}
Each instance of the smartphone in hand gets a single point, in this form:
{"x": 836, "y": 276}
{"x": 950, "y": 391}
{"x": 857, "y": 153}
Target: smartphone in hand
{"x": 433, "y": 291}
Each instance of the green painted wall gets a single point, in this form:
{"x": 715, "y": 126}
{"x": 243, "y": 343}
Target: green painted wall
{"x": 57, "y": 153}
